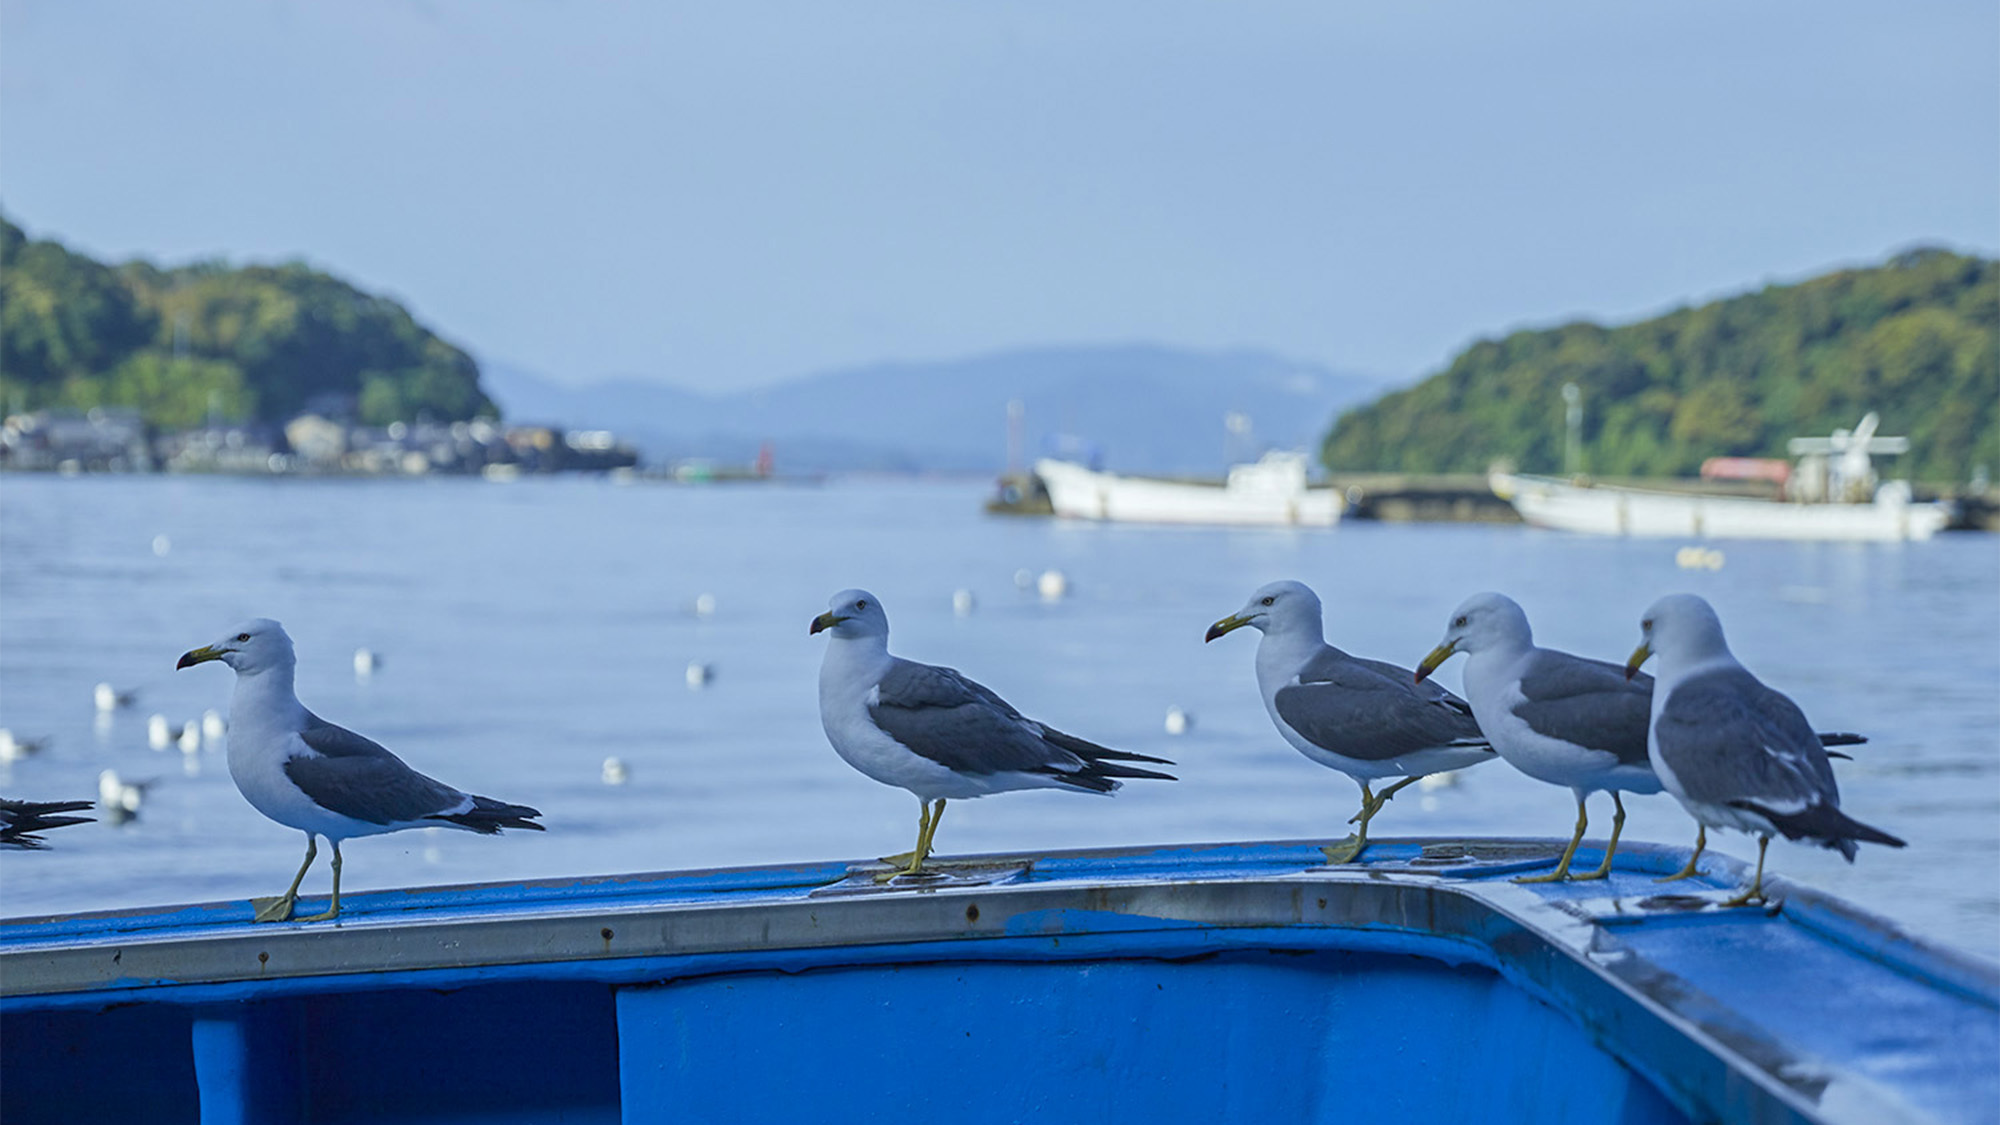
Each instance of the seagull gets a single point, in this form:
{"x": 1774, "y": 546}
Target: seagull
{"x": 14, "y": 748}
{"x": 1368, "y": 719}
{"x": 1735, "y": 753}
{"x": 938, "y": 734}
{"x": 110, "y": 699}
{"x": 322, "y": 779}
{"x": 21, "y": 820}
{"x": 121, "y": 798}
{"x": 1567, "y": 720}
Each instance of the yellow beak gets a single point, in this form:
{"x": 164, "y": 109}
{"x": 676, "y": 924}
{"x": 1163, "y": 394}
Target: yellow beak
{"x": 1437, "y": 656}
{"x": 825, "y": 620}
{"x": 1639, "y": 656}
{"x": 1227, "y": 625}
{"x": 201, "y": 655}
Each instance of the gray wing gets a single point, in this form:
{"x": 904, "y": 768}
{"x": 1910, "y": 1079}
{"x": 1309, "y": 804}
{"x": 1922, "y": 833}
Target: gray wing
{"x": 1587, "y": 702}
{"x": 357, "y": 777}
{"x": 1371, "y": 710}
{"x": 962, "y": 725}
{"x": 1726, "y": 738}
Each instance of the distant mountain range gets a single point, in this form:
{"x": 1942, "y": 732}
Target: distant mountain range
{"x": 1137, "y": 408}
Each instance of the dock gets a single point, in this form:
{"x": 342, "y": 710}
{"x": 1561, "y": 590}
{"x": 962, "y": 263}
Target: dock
{"x": 1212, "y": 982}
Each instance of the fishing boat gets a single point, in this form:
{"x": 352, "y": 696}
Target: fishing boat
{"x": 1215, "y": 983}
{"x": 1272, "y": 491}
{"x": 1833, "y": 494}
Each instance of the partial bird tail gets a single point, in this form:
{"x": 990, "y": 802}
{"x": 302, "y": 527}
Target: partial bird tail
{"x": 489, "y": 816}
{"x": 1102, "y": 766}
{"x": 1841, "y": 738}
{"x": 1824, "y": 825}
{"x": 20, "y": 820}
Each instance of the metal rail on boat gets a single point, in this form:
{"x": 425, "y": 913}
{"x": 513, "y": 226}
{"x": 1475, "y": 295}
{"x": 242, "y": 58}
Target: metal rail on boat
{"x": 1213, "y": 982}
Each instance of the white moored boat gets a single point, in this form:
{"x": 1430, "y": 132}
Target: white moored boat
{"x": 1833, "y": 495}
{"x": 1271, "y": 491}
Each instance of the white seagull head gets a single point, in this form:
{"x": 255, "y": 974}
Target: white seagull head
{"x": 1683, "y": 629}
{"x": 1276, "y": 607}
{"x": 257, "y": 645}
{"x": 1480, "y": 623}
{"x": 851, "y": 615}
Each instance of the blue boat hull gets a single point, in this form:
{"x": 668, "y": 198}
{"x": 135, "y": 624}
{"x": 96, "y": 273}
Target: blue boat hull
{"x": 1226, "y": 983}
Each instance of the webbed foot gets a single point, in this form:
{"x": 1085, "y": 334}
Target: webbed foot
{"x": 277, "y": 908}
{"x": 1556, "y": 876}
{"x": 1754, "y": 894}
{"x": 1345, "y": 851}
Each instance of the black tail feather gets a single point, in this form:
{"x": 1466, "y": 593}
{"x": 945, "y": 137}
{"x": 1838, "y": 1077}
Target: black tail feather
{"x": 1103, "y": 765}
{"x": 1825, "y": 825}
{"x": 1092, "y": 752}
{"x": 489, "y": 816}
{"x": 1841, "y": 738}
{"x": 20, "y": 820}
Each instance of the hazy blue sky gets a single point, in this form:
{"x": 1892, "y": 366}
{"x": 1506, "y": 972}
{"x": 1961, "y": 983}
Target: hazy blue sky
{"x": 727, "y": 194}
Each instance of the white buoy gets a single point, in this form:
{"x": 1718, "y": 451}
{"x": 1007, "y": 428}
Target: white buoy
{"x": 1053, "y": 585}
{"x": 704, "y": 605}
{"x": 614, "y": 772}
{"x": 213, "y": 726}
{"x": 365, "y": 662}
{"x": 159, "y": 733}
{"x": 190, "y": 739}
{"x": 963, "y": 603}
{"x": 1698, "y": 558}
{"x": 111, "y": 699}
{"x": 1178, "y": 721}
{"x": 699, "y": 674}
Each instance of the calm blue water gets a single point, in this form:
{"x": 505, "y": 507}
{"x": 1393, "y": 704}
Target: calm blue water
{"x": 530, "y": 630}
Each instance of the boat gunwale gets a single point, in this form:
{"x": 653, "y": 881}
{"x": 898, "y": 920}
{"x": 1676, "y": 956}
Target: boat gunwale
{"x": 1161, "y": 903}
{"x": 640, "y": 894}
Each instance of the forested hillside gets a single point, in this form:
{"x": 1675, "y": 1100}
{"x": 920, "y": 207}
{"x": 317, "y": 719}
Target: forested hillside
{"x": 1914, "y": 339}
{"x": 208, "y": 341}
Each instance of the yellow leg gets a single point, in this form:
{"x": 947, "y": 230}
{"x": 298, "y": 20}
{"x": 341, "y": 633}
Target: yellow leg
{"x": 902, "y": 859}
{"x": 334, "y": 910}
{"x": 1610, "y": 849}
{"x": 1689, "y": 872}
{"x": 928, "y": 820}
{"x": 930, "y": 836}
{"x": 1348, "y": 849}
{"x": 1562, "y": 869}
{"x": 1756, "y": 891}
{"x": 279, "y": 909}
{"x": 1372, "y": 805}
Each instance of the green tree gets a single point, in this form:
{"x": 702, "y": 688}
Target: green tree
{"x": 1916, "y": 339}
{"x": 258, "y": 342}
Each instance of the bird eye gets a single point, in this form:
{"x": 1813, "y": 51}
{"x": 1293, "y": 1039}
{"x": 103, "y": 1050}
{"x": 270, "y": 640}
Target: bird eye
{"x": 242, "y": 637}
{"x": 861, "y": 604}
{"x": 1268, "y": 601}
{"x": 1459, "y": 622}
{"x": 1646, "y": 624}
